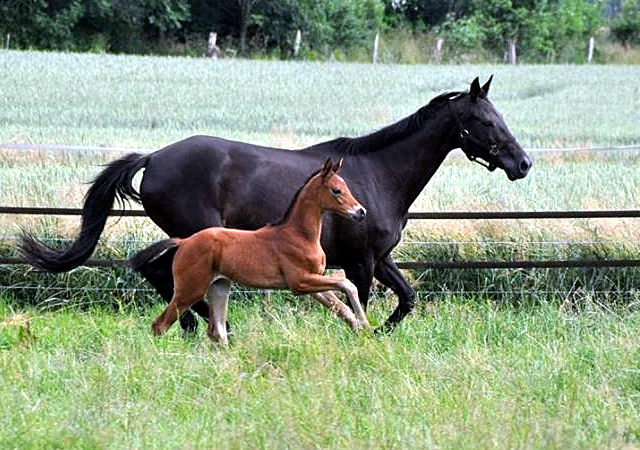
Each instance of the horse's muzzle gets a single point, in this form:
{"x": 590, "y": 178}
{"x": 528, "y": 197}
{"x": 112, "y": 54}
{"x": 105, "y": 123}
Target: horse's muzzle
{"x": 358, "y": 214}
{"x": 521, "y": 168}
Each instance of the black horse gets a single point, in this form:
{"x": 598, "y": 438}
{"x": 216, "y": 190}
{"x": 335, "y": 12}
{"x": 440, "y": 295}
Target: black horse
{"x": 207, "y": 181}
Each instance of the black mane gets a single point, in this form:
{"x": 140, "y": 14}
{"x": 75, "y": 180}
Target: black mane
{"x": 394, "y": 132}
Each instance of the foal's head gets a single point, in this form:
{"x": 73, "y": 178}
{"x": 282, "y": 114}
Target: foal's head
{"x": 334, "y": 195}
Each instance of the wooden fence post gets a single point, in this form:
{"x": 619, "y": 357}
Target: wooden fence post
{"x": 297, "y": 43}
{"x": 376, "y": 42}
{"x": 437, "y": 51}
{"x": 511, "y": 55}
{"x": 212, "y": 49}
{"x": 590, "y": 46}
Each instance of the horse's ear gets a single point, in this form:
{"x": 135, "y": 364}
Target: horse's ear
{"x": 487, "y": 85}
{"x": 337, "y": 166}
{"x": 475, "y": 89}
{"x": 327, "y": 168}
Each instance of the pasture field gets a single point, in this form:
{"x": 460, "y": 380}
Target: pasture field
{"x": 465, "y": 373}
{"x": 152, "y": 101}
{"x": 490, "y": 359}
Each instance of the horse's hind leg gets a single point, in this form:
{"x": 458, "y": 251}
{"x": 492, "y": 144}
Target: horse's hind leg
{"x": 218, "y": 296}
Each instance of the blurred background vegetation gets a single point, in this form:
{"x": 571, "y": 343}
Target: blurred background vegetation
{"x": 544, "y": 31}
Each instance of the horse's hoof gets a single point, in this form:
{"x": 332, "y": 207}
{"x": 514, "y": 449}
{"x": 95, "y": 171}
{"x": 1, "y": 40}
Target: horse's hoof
{"x": 385, "y": 330}
{"x": 189, "y": 325}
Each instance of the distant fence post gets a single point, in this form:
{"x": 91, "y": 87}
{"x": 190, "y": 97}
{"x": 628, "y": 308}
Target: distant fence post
{"x": 376, "y": 42}
{"x": 8, "y": 40}
{"x": 511, "y": 55}
{"x": 437, "y": 51}
{"x": 297, "y": 43}
{"x": 590, "y": 46}
{"x": 212, "y": 49}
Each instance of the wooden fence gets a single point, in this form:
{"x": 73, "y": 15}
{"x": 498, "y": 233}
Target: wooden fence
{"x": 416, "y": 265}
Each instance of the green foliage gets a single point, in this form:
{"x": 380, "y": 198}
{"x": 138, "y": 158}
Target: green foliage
{"x": 544, "y": 31}
{"x": 626, "y": 27}
{"x": 40, "y": 24}
{"x": 475, "y": 30}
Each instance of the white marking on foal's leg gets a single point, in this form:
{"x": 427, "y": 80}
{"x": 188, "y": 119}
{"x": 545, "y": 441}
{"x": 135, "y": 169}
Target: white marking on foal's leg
{"x": 218, "y": 296}
{"x": 351, "y": 292}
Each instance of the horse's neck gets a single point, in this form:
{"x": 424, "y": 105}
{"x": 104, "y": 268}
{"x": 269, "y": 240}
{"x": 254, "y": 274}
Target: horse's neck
{"x": 408, "y": 164}
{"x": 305, "y": 218}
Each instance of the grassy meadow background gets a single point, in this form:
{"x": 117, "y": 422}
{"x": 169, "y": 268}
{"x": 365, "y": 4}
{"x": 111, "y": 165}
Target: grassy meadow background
{"x": 490, "y": 359}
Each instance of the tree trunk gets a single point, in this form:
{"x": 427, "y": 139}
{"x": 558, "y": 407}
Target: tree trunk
{"x": 246, "y": 6}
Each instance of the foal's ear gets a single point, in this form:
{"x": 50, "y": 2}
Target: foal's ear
{"x": 337, "y": 166}
{"x": 487, "y": 85}
{"x": 475, "y": 90}
{"x": 328, "y": 165}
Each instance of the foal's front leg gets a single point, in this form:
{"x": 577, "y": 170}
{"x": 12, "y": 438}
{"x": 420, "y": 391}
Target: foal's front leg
{"x": 218, "y": 296}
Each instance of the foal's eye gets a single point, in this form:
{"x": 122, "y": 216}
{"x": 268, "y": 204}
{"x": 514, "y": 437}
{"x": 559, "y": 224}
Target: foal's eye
{"x": 336, "y": 191}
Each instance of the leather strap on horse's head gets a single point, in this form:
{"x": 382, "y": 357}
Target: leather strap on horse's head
{"x": 466, "y": 136}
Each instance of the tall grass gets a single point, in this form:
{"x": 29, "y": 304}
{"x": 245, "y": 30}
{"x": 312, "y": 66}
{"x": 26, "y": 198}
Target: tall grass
{"x": 151, "y": 101}
{"x": 546, "y": 370}
{"x": 467, "y": 374}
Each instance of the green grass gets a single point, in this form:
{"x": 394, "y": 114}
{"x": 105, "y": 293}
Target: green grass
{"x": 552, "y": 363}
{"x": 460, "y": 374}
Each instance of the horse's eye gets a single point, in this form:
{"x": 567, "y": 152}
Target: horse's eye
{"x": 488, "y": 123}
{"x": 336, "y": 191}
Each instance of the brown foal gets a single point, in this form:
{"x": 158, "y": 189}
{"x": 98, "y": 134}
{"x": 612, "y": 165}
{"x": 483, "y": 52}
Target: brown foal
{"x": 283, "y": 256}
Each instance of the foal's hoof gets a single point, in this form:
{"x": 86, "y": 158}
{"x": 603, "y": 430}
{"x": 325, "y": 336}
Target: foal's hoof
{"x": 157, "y": 330}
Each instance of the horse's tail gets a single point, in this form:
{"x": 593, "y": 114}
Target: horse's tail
{"x": 115, "y": 181}
{"x": 153, "y": 252}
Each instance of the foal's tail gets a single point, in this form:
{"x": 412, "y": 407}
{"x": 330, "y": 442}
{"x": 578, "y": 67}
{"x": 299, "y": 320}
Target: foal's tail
{"x": 115, "y": 181}
{"x": 153, "y": 252}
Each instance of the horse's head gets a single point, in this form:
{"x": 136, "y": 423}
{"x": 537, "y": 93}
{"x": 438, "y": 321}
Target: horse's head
{"x": 484, "y": 135}
{"x": 335, "y": 194}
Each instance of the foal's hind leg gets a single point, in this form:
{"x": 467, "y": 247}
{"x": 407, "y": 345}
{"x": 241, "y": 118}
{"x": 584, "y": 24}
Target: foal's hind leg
{"x": 158, "y": 273}
{"x": 310, "y": 283}
{"x": 218, "y": 296}
{"x": 191, "y": 282}
{"x": 332, "y": 302}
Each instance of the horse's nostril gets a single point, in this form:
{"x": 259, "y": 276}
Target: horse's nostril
{"x": 525, "y": 165}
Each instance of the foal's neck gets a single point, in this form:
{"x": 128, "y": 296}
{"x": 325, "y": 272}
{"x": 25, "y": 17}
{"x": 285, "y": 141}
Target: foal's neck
{"x": 306, "y": 216}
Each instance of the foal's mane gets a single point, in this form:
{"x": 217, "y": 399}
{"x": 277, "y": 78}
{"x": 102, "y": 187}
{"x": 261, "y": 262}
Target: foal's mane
{"x": 394, "y": 132}
{"x": 287, "y": 213}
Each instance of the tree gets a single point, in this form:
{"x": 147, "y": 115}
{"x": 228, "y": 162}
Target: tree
{"x": 543, "y": 29}
{"x": 626, "y": 27}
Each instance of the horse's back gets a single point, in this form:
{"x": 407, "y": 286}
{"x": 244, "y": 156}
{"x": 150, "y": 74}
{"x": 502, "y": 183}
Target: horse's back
{"x": 205, "y": 181}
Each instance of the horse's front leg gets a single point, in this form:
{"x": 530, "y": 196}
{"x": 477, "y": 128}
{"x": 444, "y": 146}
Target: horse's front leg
{"x": 310, "y": 283}
{"x": 388, "y": 274}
